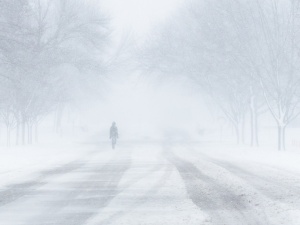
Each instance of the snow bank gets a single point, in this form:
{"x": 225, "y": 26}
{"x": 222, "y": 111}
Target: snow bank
{"x": 24, "y": 162}
{"x": 268, "y": 180}
{"x": 285, "y": 160}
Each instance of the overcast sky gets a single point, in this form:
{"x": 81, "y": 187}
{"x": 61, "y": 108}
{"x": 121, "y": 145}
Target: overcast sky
{"x": 136, "y": 106}
{"x": 139, "y": 16}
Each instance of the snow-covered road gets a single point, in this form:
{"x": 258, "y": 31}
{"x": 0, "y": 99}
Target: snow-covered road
{"x": 155, "y": 184}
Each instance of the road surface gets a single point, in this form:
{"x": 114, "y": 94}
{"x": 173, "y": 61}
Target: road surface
{"x": 153, "y": 184}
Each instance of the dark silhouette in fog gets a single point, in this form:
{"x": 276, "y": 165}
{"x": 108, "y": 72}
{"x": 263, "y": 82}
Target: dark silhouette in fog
{"x": 113, "y": 134}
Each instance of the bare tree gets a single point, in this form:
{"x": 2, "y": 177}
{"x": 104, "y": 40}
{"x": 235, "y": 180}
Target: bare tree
{"x": 242, "y": 52}
{"x": 38, "y": 39}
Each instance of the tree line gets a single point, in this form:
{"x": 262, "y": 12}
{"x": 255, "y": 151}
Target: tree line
{"x": 243, "y": 54}
{"x": 48, "y": 48}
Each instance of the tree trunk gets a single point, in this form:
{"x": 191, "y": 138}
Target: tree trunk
{"x": 252, "y": 128}
{"x": 243, "y": 129}
{"x": 29, "y": 135}
{"x": 23, "y": 130}
{"x": 256, "y": 140}
{"x": 237, "y": 133}
{"x": 36, "y": 132}
{"x": 281, "y": 137}
{"x": 253, "y": 122}
{"x": 8, "y": 135}
{"x": 17, "y": 132}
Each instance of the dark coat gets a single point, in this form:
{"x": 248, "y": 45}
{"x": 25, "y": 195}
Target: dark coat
{"x": 113, "y": 132}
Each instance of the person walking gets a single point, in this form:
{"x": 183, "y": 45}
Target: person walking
{"x": 113, "y": 134}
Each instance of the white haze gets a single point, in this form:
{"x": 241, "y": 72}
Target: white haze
{"x": 205, "y": 95}
{"x": 139, "y": 17}
{"x": 144, "y": 111}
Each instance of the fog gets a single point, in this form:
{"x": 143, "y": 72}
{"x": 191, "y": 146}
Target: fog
{"x": 145, "y": 111}
{"x": 149, "y": 112}
{"x": 139, "y": 17}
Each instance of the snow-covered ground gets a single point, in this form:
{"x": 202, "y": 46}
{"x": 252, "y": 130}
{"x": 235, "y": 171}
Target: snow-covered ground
{"x": 158, "y": 183}
{"x": 23, "y": 162}
{"x": 252, "y": 185}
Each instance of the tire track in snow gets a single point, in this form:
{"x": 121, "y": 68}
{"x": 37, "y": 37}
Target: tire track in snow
{"x": 87, "y": 196}
{"x": 142, "y": 199}
{"x": 221, "y": 204}
{"x": 16, "y": 191}
{"x": 274, "y": 184}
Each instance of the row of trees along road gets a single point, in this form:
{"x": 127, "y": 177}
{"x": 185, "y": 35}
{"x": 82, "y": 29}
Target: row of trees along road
{"x": 39, "y": 41}
{"x": 243, "y": 53}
